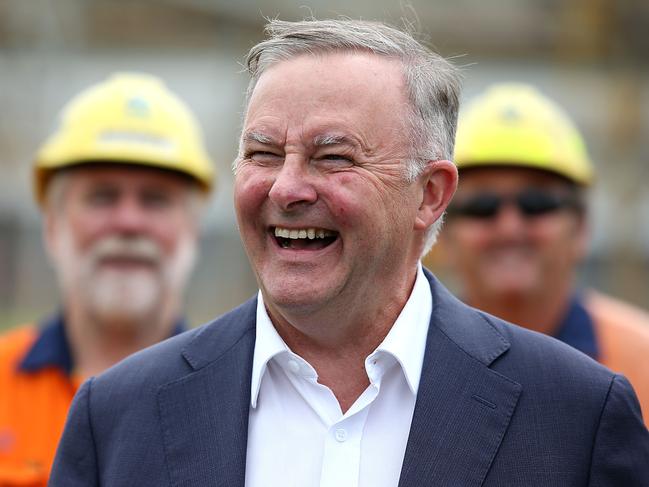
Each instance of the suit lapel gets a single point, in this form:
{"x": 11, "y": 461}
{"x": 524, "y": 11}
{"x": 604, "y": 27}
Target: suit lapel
{"x": 462, "y": 412}
{"x": 204, "y": 415}
{"x": 463, "y": 407}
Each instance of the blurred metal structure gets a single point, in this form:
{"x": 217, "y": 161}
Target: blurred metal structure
{"x": 589, "y": 55}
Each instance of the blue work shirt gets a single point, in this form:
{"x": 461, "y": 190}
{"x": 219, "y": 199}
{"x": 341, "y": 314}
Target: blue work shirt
{"x": 52, "y": 347}
{"x": 578, "y": 329}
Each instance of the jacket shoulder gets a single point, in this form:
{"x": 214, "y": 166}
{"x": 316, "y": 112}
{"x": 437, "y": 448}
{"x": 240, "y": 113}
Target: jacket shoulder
{"x": 534, "y": 355}
{"x": 570, "y": 399}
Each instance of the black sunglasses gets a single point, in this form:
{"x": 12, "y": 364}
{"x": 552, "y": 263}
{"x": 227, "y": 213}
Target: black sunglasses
{"x": 530, "y": 202}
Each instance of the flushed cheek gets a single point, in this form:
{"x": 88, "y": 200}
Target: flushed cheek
{"x": 250, "y": 191}
{"x": 85, "y": 231}
{"x": 343, "y": 216}
{"x": 347, "y": 205}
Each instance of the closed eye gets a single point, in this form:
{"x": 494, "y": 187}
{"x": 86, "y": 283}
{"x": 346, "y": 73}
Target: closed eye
{"x": 335, "y": 157}
{"x": 102, "y": 196}
{"x": 263, "y": 157}
{"x": 334, "y": 161}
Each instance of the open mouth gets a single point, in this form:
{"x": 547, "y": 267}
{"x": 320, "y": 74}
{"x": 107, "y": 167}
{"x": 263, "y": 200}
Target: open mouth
{"x": 304, "y": 238}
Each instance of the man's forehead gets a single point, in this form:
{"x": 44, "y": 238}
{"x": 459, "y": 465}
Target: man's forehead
{"x": 328, "y": 76}
{"x": 328, "y": 100}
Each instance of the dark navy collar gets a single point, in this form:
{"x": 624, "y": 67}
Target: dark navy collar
{"x": 577, "y": 329}
{"x": 52, "y": 348}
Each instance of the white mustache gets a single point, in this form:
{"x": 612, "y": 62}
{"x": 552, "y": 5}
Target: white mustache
{"x": 138, "y": 248}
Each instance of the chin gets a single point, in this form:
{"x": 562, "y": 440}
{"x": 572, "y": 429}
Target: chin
{"x": 513, "y": 291}
{"x": 298, "y": 299}
{"x": 124, "y": 299}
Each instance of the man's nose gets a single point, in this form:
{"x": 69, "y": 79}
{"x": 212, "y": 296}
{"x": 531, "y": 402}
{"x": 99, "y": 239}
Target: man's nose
{"x": 129, "y": 216}
{"x": 509, "y": 220}
{"x": 293, "y": 185}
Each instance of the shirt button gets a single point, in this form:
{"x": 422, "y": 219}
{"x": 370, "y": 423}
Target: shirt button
{"x": 340, "y": 435}
{"x": 293, "y": 366}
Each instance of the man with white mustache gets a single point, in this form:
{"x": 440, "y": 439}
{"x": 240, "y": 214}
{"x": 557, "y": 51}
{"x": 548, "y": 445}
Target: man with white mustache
{"x": 121, "y": 185}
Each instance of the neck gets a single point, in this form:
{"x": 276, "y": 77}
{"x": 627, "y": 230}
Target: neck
{"x": 337, "y": 339}
{"x": 98, "y": 344}
{"x": 539, "y": 313}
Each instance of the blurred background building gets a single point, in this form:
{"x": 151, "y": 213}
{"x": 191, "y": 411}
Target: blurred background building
{"x": 589, "y": 55}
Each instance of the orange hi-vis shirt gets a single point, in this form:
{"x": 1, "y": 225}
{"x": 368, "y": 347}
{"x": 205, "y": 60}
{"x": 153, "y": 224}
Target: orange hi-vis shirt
{"x": 622, "y": 331}
{"x": 36, "y": 389}
{"x": 615, "y": 334}
{"x": 37, "y": 385}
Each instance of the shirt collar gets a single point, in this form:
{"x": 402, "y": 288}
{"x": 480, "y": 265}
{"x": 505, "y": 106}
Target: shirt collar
{"x": 406, "y": 340}
{"x": 268, "y": 344}
{"x": 577, "y": 329}
{"x": 52, "y": 348}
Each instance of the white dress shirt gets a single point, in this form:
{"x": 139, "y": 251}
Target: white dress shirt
{"x": 297, "y": 433}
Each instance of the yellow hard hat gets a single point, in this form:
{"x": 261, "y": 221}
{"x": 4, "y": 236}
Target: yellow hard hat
{"x": 127, "y": 119}
{"x": 512, "y": 124}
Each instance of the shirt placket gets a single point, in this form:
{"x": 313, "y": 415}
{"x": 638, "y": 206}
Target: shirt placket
{"x": 342, "y": 451}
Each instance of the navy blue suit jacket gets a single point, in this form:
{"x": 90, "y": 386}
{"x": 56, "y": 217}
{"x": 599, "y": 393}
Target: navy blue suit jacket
{"x": 497, "y": 406}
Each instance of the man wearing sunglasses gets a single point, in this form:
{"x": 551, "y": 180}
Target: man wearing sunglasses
{"x": 517, "y": 229}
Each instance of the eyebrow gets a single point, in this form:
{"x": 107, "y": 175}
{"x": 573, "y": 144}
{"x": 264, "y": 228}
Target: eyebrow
{"x": 323, "y": 140}
{"x": 330, "y": 139}
{"x": 258, "y": 137}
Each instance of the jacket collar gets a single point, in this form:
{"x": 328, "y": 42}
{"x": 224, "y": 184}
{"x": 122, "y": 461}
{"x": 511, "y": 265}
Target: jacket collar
{"x": 463, "y": 407}
{"x": 462, "y": 411}
{"x": 221, "y": 335}
{"x": 204, "y": 415}
{"x": 468, "y": 329}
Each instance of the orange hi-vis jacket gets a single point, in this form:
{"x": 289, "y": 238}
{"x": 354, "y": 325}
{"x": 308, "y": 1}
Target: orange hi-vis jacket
{"x": 36, "y": 389}
{"x": 622, "y": 331}
{"x": 615, "y": 334}
{"x": 37, "y": 384}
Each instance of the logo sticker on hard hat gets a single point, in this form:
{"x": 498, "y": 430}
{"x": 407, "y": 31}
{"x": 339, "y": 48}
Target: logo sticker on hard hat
{"x": 138, "y": 107}
{"x": 510, "y": 114}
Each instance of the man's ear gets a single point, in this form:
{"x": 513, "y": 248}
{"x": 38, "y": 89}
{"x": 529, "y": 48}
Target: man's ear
{"x": 438, "y": 183}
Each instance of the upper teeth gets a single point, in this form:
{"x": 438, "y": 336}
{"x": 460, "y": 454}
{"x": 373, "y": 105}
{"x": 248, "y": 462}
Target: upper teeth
{"x": 309, "y": 233}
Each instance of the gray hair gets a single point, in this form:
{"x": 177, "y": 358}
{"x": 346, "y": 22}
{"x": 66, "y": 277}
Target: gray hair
{"x": 433, "y": 83}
